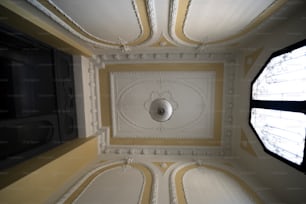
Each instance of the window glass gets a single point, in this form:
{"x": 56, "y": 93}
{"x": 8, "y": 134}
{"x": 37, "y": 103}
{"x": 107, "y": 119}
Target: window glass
{"x": 282, "y": 132}
{"x": 283, "y": 79}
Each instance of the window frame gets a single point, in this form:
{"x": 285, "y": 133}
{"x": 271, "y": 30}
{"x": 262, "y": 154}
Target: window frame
{"x": 293, "y": 106}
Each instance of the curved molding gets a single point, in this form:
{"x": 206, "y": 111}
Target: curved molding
{"x": 143, "y": 9}
{"x": 163, "y": 166}
{"x": 178, "y": 192}
{"x": 179, "y": 12}
{"x": 175, "y": 196}
{"x": 149, "y": 189}
{"x": 163, "y": 42}
{"x": 177, "y": 16}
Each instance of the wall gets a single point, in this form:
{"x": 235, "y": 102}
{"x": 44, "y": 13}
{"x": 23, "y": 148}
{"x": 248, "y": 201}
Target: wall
{"x": 43, "y": 176}
{"x": 288, "y": 184}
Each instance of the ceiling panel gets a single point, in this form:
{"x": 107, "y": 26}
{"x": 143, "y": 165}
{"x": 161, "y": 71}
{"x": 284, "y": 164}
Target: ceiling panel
{"x": 212, "y": 20}
{"x": 191, "y": 94}
{"x": 195, "y": 92}
{"x": 104, "y": 19}
{"x": 158, "y": 25}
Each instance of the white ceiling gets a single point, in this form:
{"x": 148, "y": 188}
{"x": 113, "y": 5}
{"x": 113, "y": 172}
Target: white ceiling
{"x": 164, "y": 31}
{"x": 127, "y": 25}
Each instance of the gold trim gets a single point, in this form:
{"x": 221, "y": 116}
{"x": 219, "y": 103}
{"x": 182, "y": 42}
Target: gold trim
{"x": 181, "y": 17}
{"x": 245, "y": 144}
{"x": 146, "y": 193}
{"x": 21, "y": 19}
{"x": 181, "y": 197}
{"x": 163, "y": 42}
{"x": 160, "y": 166}
{"x": 183, "y": 12}
{"x": 104, "y": 75}
{"x": 143, "y": 23}
{"x": 253, "y": 57}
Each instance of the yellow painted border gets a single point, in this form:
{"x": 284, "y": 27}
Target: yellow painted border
{"x": 163, "y": 42}
{"x": 46, "y": 174}
{"x": 105, "y": 95}
{"x": 183, "y": 6}
{"x": 143, "y": 18}
{"x": 159, "y": 166}
{"x": 146, "y": 193}
{"x": 181, "y": 197}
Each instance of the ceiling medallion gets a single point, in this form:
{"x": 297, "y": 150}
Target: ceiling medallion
{"x": 161, "y": 110}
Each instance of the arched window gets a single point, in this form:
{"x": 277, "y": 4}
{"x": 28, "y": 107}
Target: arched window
{"x": 278, "y": 105}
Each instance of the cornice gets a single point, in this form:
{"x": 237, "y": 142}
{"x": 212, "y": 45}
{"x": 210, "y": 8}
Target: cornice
{"x": 168, "y": 57}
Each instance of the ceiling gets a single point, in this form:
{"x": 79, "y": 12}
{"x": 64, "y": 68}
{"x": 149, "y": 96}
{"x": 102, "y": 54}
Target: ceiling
{"x": 150, "y": 25}
{"x": 139, "y": 43}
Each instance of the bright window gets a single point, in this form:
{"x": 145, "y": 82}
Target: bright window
{"x": 277, "y": 108}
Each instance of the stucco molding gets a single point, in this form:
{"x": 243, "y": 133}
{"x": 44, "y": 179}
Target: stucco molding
{"x": 167, "y": 57}
{"x": 94, "y": 95}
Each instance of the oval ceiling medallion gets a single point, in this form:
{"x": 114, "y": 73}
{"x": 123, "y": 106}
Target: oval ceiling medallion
{"x": 161, "y": 110}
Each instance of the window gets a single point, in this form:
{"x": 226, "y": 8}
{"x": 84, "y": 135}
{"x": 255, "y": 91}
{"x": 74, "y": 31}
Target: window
{"x": 278, "y": 105}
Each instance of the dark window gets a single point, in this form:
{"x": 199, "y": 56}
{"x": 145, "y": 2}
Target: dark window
{"x": 277, "y": 107}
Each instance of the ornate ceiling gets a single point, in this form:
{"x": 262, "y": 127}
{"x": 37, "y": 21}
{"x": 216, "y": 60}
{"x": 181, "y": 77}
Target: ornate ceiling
{"x": 150, "y": 24}
{"x": 149, "y": 48}
{"x": 202, "y": 101}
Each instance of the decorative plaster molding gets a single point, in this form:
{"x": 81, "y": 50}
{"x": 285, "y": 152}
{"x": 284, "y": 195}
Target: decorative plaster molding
{"x": 168, "y": 57}
{"x": 163, "y": 42}
{"x": 94, "y": 95}
{"x": 172, "y": 182}
{"x": 190, "y": 152}
{"x": 152, "y": 16}
{"x": 173, "y": 14}
{"x": 103, "y": 139}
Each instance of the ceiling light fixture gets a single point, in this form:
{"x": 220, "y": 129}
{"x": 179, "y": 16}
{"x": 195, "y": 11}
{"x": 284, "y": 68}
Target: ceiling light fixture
{"x": 161, "y": 110}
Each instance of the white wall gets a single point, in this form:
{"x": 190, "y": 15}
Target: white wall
{"x": 288, "y": 184}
